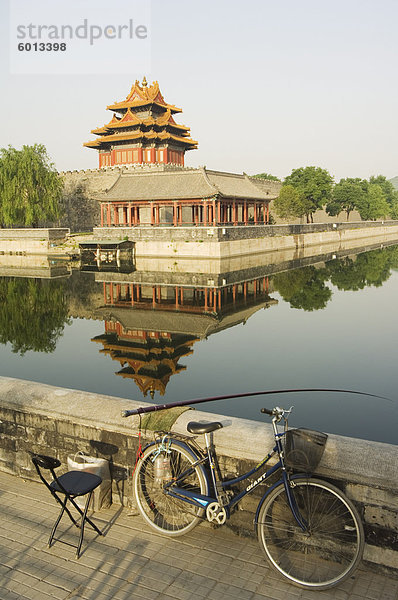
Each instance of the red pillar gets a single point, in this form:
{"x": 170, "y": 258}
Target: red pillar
{"x": 108, "y": 214}
{"x": 235, "y": 214}
{"x": 140, "y": 152}
{"x": 175, "y": 213}
{"x": 219, "y": 212}
{"x": 205, "y": 208}
{"x": 267, "y": 212}
{"x": 152, "y": 213}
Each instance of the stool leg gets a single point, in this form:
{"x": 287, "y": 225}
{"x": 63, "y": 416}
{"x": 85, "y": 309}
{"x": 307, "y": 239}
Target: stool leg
{"x": 63, "y": 506}
{"x": 84, "y": 519}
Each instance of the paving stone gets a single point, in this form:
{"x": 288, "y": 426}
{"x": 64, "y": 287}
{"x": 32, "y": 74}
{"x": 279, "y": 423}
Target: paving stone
{"x": 131, "y": 562}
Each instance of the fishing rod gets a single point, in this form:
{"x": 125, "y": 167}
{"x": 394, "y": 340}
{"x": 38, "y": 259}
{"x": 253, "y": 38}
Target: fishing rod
{"x": 155, "y": 407}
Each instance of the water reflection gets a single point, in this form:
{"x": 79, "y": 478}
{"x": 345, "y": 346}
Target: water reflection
{"x": 307, "y": 288}
{"x": 131, "y": 333}
{"x": 33, "y": 313}
{"x": 149, "y": 328}
{"x": 304, "y": 288}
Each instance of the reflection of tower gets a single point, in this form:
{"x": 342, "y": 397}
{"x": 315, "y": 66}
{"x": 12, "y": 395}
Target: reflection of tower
{"x": 149, "y": 327}
{"x": 150, "y": 358}
{"x": 206, "y": 299}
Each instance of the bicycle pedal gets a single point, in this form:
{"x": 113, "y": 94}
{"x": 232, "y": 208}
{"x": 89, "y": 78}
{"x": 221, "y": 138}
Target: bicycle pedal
{"x": 216, "y": 514}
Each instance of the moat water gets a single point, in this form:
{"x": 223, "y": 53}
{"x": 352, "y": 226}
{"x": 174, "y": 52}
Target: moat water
{"x": 174, "y": 336}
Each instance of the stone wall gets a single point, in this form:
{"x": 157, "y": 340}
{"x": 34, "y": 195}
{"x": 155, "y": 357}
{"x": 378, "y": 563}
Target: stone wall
{"x": 79, "y": 201}
{"x": 59, "y": 422}
{"x": 222, "y": 242}
{"x": 31, "y": 241}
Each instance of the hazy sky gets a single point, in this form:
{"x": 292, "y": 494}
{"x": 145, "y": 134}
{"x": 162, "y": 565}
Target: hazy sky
{"x": 264, "y": 85}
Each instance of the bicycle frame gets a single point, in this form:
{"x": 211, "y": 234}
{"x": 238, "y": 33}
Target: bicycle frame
{"x": 221, "y": 487}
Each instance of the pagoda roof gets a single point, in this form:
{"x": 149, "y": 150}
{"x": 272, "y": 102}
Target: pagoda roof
{"x": 130, "y": 119}
{"x": 142, "y": 95}
{"x": 197, "y": 326}
{"x": 183, "y": 184}
{"x": 137, "y": 135}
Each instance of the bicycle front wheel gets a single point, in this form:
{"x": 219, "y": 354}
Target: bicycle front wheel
{"x": 164, "y": 513}
{"x": 330, "y": 548}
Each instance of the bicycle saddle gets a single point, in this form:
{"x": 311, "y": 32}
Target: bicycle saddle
{"x": 195, "y": 427}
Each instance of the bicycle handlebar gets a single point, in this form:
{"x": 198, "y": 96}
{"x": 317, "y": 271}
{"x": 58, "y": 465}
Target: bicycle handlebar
{"x": 278, "y": 413}
{"x": 267, "y": 411}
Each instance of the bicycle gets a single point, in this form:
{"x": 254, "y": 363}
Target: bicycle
{"x": 310, "y": 532}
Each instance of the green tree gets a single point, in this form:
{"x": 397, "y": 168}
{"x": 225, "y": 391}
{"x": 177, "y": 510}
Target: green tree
{"x": 394, "y": 209}
{"x": 266, "y": 176}
{"x": 347, "y": 195}
{"x": 290, "y": 203}
{"x": 315, "y": 186}
{"x": 389, "y": 191}
{"x": 33, "y": 313}
{"x": 374, "y": 204}
{"x": 30, "y": 187}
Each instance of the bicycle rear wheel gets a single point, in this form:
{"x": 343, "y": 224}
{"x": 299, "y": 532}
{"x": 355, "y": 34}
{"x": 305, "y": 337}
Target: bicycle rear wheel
{"x": 331, "y": 547}
{"x": 167, "y": 515}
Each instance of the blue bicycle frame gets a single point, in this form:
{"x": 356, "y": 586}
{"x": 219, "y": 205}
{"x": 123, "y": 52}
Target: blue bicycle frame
{"x": 221, "y": 487}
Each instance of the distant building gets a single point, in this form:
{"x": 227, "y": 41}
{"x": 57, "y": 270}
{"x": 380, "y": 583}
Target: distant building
{"x": 154, "y": 188}
{"x": 142, "y": 131}
{"x": 185, "y": 196}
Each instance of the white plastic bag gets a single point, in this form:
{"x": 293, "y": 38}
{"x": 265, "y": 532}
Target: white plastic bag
{"x": 98, "y": 466}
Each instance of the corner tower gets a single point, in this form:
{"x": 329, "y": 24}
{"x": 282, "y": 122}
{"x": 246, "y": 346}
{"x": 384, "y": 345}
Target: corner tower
{"x": 142, "y": 130}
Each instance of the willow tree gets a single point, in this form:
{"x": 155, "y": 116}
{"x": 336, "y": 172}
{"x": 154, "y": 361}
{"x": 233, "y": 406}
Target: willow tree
{"x": 30, "y": 187}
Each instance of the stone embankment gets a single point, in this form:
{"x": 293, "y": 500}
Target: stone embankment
{"x": 222, "y": 242}
{"x": 59, "y": 421}
{"x": 205, "y": 242}
{"x": 32, "y": 241}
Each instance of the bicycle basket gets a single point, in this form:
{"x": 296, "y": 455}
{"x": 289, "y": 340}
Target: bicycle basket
{"x": 304, "y": 449}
